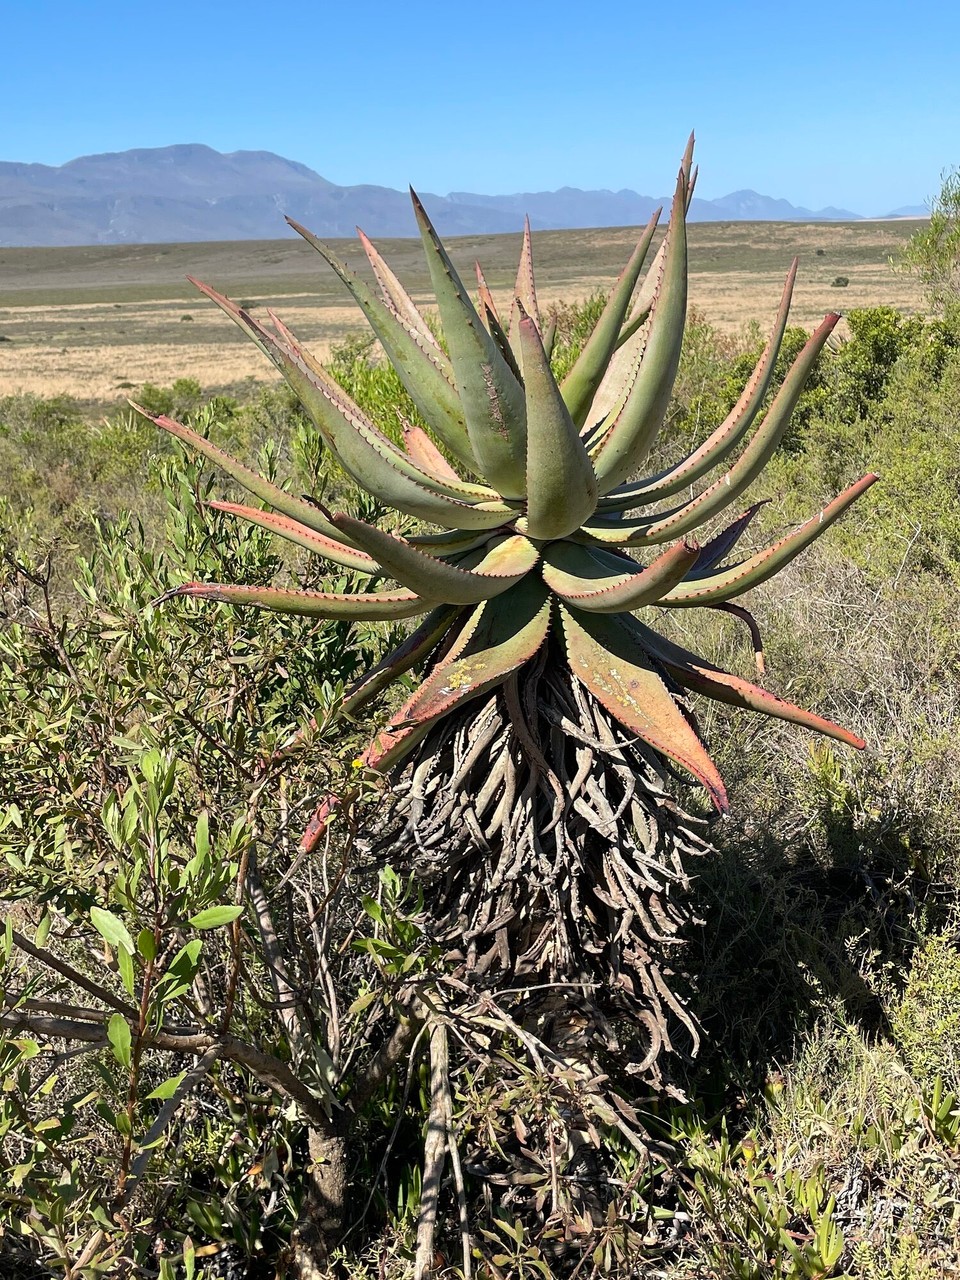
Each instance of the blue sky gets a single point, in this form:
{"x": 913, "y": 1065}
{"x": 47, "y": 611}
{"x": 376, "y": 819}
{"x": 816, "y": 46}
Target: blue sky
{"x": 854, "y": 104}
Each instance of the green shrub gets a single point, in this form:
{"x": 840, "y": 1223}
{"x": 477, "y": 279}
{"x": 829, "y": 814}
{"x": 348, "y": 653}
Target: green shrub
{"x": 926, "y": 1021}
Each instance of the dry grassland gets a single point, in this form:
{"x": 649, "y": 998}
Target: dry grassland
{"x": 97, "y": 322}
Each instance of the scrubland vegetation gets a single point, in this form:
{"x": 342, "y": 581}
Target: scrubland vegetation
{"x": 816, "y": 1134}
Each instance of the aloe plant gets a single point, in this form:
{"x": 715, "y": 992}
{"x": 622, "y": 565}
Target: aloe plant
{"x": 538, "y": 742}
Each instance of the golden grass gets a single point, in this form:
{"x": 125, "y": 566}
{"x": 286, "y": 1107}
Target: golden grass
{"x": 96, "y": 322}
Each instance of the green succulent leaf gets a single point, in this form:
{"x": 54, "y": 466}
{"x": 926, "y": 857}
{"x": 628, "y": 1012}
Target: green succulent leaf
{"x": 596, "y": 582}
{"x": 505, "y": 562}
{"x": 625, "y": 438}
{"x": 425, "y": 372}
{"x": 499, "y": 638}
{"x": 608, "y": 661}
{"x": 294, "y": 508}
{"x": 561, "y": 486}
{"x": 293, "y": 531}
{"x": 371, "y": 607}
{"x": 581, "y": 383}
{"x": 726, "y": 584}
{"x": 490, "y": 394}
{"x": 726, "y": 437}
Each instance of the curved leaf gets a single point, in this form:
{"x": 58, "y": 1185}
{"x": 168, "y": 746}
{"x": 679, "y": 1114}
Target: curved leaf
{"x": 502, "y": 564}
{"x": 418, "y": 645}
{"x": 690, "y": 515}
{"x": 490, "y": 395}
{"x": 370, "y": 607}
{"x": 501, "y": 636}
{"x": 581, "y": 383}
{"x": 399, "y": 301}
{"x": 700, "y": 676}
{"x": 608, "y": 661}
{"x": 726, "y": 584}
{"x": 294, "y": 508}
{"x": 579, "y": 576}
{"x": 726, "y": 437}
{"x": 424, "y": 371}
{"x": 293, "y": 531}
{"x": 626, "y": 438}
{"x": 561, "y": 487}
{"x": 425, "y": 453}
{"x": 370, "y": 457}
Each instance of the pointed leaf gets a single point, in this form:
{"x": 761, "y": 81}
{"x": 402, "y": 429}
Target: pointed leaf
{"x": 486, "y": 297}
{"x": 726, "y": 437}
{"x": 700, "y": 676}
{"x": 491, "y": 396}
{"x": 634, "y": 424}
{"x": 424, "y": 371}
{"x": 608, "y": 662}
{"x": 504, "y": 563}
{"x": 726, "y": 584}
{"x": 293, "y": 531}
{"x": 728, "y": 487}
{"x": 397, "y": 298}
{"x": 371, "y": 607}
{"x": 425, "y": 453}
{"x": 501, "y": 636}
{"x": 579, "y": 576}
{"x": 581, "y": 383}
{"x": 370, "y": 457}
{"x": 648, "y": 288}
{"x": 525, "y": 288}
{"x": 294, "y": 508}
{"x": 723, "y": 543}
{"x": 561, "y": 486}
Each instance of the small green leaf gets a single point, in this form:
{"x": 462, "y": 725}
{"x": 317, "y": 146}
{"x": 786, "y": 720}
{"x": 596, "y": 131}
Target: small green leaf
{"x": 202, "y": 838}
{"x": 125, "y": 966}
{"x": 213, "y": 917}
{"x": 111, "y": 928}
{"x": 147, "y": 945}
{"x": 118, "y": 1033}
{"x": 168, "y": 1088}
{"x": 43, "y": 930}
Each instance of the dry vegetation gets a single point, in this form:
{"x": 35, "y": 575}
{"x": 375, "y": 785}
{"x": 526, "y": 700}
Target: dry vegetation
{"x": 94, "y": 322}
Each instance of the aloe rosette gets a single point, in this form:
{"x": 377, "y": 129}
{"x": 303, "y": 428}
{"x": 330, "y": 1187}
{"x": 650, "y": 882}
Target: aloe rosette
{"x": 543, "y": 556}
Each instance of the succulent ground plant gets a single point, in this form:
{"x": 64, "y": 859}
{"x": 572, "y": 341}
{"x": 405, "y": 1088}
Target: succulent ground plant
{"x": 535, "y": 755}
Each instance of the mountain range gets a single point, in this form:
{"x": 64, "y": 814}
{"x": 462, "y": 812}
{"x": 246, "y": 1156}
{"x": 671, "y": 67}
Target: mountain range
{"x": 191, "y": 192}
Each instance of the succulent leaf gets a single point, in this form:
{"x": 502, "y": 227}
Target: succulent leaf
{"x": 703, "y": 677}
{"x": 397, "y": 298}
{"x": 726, "y": 437}
{"x": 581, "y": 383}
{"x": 578, "y": 575}
{"x": 376, "y": 606}
{"x": 561, "y": 485}
{"x": 504, "y": 564}
{"x": 625, "y": 438}
{"x": 293, "y": 531}
{"x": 425, "y": 372}
{"x": 490, "y": 393}
{"x": 606, "y": 659}
{"x": 294, "y": 508}
{"x": 712, "y": 587}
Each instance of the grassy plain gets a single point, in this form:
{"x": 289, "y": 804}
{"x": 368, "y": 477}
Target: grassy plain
{"x": 94, "y": 322}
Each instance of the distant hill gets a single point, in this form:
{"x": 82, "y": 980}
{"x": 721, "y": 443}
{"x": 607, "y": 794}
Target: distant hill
{"x": 192, "y": 192}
